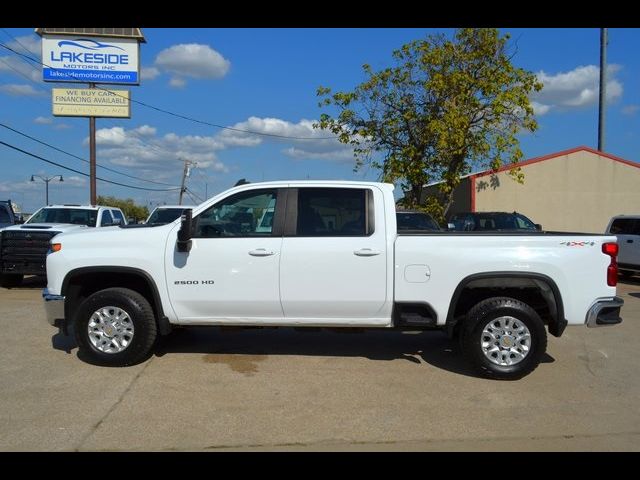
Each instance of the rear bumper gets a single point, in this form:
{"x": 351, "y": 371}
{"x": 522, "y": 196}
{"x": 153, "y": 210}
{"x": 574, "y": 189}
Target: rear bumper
{"x": 53, "y": 307}
{"x": 605, "y": 312}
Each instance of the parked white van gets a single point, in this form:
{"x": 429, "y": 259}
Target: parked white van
{"x": 627, "y": 229}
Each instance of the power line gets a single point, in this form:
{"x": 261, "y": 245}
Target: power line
{"x": 177, "y": 115}
{"x": 190, "y": 192}
{"x": 22, "y": 74}
{"x": 79, "y": 158}
{"x": 85, "y": 174}
{"x": 19, "y": 43}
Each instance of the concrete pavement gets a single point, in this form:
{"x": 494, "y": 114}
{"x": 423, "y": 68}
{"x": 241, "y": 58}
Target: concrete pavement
{"x": 281, "y": 389}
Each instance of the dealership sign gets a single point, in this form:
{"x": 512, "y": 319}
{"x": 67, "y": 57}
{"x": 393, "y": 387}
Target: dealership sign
{"x": 90, "y": 60}
{"x": 91, "y": 102}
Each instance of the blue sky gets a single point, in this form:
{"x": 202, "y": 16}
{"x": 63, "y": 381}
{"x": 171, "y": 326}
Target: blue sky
{"x": 265, "y": 80}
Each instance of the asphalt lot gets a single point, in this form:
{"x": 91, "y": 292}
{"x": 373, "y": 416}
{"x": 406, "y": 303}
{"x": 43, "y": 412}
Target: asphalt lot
{"x": 281, "y": 389}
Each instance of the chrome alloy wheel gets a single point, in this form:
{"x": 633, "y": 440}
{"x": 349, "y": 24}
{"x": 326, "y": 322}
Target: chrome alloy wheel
{"x": 505, "y": 341}
{"x": 110, "y": 329}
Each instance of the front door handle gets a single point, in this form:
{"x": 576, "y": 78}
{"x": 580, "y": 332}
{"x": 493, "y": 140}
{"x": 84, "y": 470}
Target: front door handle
{"x": 367, "y": 252}
{"x": 261, "y": 252}
{"x": 629, "y": 241}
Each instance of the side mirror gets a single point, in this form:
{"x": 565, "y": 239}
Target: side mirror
{"x": 184, "y": 234}
{"x": 451, "y": 226}
{"x": 538, "y": 227}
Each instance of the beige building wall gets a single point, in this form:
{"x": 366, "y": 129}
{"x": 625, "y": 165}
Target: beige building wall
{"x": 577, "y": 192}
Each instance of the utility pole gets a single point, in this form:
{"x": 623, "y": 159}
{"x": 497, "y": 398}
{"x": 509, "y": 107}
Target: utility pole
{"x": 603, "y": 87}
{"x": 92, "y": 156}
{"x": 185, "y": 174}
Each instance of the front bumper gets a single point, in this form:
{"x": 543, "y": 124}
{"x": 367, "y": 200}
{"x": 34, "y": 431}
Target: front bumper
{"x": 53, "y": 307}
{"x": 605, "y": 312}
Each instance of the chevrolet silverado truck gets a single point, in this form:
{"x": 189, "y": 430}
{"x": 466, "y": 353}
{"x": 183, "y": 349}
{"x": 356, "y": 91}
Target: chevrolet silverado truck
{"x": 23, "y": 248}
{"x": 331, "y": 256}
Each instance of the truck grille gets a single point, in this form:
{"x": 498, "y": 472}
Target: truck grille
{"x": 24, "y": 252}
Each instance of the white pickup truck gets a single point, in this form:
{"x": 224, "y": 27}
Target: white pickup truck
{"x": 330, "y": 256}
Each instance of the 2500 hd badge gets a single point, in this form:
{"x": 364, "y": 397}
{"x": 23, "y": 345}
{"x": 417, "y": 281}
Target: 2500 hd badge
{"x": 193, "y": 282}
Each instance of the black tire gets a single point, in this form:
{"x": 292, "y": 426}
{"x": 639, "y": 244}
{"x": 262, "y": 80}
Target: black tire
{"x": 484, "y": 313}
{"x": 141, "y": 315}
{"x": 10, "y": 280}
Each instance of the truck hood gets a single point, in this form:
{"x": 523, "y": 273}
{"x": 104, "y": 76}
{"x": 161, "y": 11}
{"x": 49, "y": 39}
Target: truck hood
{"x": 44, "y": 227}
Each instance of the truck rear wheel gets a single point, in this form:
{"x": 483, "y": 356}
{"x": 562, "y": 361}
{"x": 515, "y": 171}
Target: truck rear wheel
{"x": 503, "y": 338}
{"x": 115, "y": 327}
{"x": 10, "y": 280}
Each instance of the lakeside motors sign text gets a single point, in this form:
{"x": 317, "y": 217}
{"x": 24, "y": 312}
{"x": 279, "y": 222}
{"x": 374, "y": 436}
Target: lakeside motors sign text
{"x": 90, "y": 60}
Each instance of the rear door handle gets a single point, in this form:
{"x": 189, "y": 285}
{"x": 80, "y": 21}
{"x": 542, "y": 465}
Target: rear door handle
{"x": 629, "y": 241}
{"x": 367, "y": 252}
{"x": 261, "y": 252}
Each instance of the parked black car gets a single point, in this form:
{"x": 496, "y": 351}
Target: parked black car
{"x": 412, "y": 220}
{"x": 491, "y": 221}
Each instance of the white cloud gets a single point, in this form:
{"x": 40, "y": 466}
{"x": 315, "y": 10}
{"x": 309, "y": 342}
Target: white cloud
{"x": 177, "y": 82}
{"x": 310, "y": 143}
{"x": 75, "y": 181}
{"x": 539, "y": 108}
{"x": 20, "y": 90}
{"x": 43, "y": 120}
{"x": 576, "y": 88}
{"x": 15, "y": 65}
{"x": 149, "y": 73}
{"x": 145, "y": 131}
{"x": 342, "y": 156}
{"x": 31, "y": 43}
{"x": 192, "y": 60}
{"x": 61, "y": 126}
{"x": 630, "y": 109}
{"x": 160, "y": 157}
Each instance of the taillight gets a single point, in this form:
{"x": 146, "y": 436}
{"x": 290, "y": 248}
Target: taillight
{"x": 611, "y": 249}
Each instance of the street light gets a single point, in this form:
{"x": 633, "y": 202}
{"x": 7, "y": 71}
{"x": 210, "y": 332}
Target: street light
{"x": 46, "y": 180}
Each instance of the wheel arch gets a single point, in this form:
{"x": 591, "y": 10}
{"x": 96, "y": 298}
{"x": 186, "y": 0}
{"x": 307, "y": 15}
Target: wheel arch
{"x": 497, "y": 282}
{"x": 79, "y": 283}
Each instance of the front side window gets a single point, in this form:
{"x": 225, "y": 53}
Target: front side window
{"x": 246, "y": 214}
{"x": 118, "y": 216}
{"x": 325, "y": 212}
{"x": 107, "y": 219}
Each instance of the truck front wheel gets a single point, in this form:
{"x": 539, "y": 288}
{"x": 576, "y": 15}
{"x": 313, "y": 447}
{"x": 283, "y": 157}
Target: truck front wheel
{"x": 503, "y": 338}
{"x": 115, "y": 327}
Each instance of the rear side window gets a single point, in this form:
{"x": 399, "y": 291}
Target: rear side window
{"x": 117, "y": 215}
{"x": 4, "y": 216}
{"x": 331, "y": 212}
{"x": 107, "y": 219}
{"x": 625, "y": 226}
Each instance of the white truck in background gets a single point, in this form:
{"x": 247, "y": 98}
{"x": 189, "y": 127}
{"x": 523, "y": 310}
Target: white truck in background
{"x": 330, "y": 256}
{"x": 23, "y": 248}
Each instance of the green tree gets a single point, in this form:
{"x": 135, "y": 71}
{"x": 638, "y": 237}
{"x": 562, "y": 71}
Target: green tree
{"x": 130, "y": 209}
{"x": 449, "y": 105}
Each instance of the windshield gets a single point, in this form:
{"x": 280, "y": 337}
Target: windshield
{"x": 77, "y": 216}
{"x": 164, "y": 215}
{"x": 416, "y": 221}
